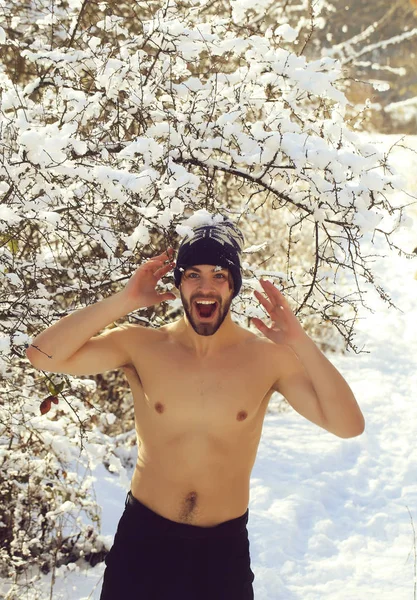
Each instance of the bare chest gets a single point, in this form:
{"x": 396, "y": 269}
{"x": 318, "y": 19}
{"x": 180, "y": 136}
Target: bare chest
{"x": 176, "y": 394}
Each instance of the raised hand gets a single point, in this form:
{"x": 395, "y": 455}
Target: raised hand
{"x": 286, "y": 327}
{"x": 140, "y": 289}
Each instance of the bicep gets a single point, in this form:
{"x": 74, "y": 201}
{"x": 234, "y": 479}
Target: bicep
{"x": 295, "y": 385}
{"x": 105, "y": 352}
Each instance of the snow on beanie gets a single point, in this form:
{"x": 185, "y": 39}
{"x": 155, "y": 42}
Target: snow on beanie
{"x": 219, "y": 244}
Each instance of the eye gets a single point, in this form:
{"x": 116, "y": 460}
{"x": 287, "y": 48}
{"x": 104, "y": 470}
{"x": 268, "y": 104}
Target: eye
{"x": 190, "y": 275}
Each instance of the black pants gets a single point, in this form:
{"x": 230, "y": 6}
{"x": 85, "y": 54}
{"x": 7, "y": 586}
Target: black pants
{"x": 154, "y": 558}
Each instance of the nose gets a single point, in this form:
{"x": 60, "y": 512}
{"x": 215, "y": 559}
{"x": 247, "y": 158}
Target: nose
{"x": 206, "y": 285}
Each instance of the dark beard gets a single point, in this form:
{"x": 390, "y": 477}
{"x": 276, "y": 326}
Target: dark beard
{"x": 206, "y": 328}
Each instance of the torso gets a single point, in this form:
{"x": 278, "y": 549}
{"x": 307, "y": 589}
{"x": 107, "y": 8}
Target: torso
{"x": 198, "y": 424}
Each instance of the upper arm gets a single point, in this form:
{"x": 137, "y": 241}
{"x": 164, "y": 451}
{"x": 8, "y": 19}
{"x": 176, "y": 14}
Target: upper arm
{"x": 294, "y": 383}
{"x": 108, "y": 351}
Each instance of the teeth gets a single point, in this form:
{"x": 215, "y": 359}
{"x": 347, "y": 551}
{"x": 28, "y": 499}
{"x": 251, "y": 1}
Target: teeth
{"x": 206, "y": 302}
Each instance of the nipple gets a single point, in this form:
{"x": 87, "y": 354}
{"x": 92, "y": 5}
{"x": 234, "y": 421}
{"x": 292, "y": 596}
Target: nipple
{"x": 241, "y": 416}
{"x": 159, "y": 407}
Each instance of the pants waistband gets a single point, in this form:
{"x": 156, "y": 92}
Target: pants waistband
{"x": 162, "y": 525}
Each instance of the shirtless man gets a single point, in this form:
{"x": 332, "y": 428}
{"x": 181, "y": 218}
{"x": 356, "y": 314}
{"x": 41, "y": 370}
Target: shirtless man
{"x": 200, "y": 387}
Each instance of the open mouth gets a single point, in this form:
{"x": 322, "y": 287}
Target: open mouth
{"x": 206, "y": 309}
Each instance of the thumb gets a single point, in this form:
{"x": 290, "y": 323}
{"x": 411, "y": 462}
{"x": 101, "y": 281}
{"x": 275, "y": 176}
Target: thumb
{"x": 261, "y": 326}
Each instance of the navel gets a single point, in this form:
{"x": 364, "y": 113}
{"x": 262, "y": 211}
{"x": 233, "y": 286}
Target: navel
{"x": 191, "y": 498}
{"x": 241, "y": 416}
{"x": 187, "y": 510}
{"x": 159, "y": 407}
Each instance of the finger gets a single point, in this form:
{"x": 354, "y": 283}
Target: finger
{"x": 256, "y": 321}
{"x": 169, "y": 253}
{"x": 153, "y": 263}
{"x": 271, "y": 290}
{"x": 164, "y": 270}
{"x": 278, "y": 301}
{"x": 268, "y": 332}
{"x": 260, "y": 325}
{"x": 152, "y": 266}
{"x": 159, "y": 258}
{"x": 163, "y": 297}
{"x": 265, "y": 303}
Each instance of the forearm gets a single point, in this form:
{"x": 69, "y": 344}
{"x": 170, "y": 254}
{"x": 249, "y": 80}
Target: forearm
{"x": 337, "y": 401}
{"x": 62, "y": 339}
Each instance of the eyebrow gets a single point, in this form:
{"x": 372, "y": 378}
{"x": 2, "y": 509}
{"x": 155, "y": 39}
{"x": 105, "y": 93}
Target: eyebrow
{"x": 199, "y": 270}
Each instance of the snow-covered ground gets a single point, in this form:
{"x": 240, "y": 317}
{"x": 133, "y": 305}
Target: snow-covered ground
{"x": 329, "y": 518}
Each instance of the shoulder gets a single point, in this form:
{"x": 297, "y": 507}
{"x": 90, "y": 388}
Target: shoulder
{"x": 261, "y": 343}
{"x": 138, "y": 341}
{"x": 134, "y": 337}
{"x": 276, "y": 362}
{"x": 272, "y": 354}
{"x": 133, "y": 328}
{"x": 138, "y": 335}
{"x": 280, "y": 358}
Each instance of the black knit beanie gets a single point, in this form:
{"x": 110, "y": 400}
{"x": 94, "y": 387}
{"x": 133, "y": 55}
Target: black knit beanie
{"x": 220, "y": 244}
